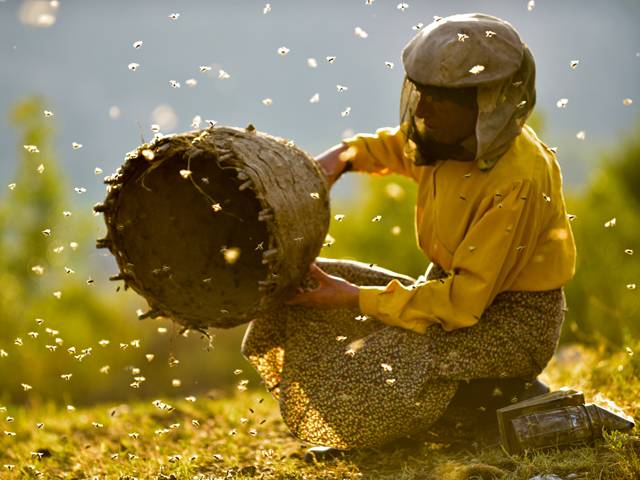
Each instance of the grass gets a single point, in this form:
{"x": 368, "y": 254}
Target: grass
{"x": 243, "y": 437}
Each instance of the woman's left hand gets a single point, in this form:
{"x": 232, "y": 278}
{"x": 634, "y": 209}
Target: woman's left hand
{"x": 333, "y": 292}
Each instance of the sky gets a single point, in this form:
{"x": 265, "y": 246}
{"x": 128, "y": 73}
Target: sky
{"x": 79, "y": 61}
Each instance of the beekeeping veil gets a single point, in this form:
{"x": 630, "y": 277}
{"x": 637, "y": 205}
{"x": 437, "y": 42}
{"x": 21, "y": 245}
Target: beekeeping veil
{"x": 471, "y": 50}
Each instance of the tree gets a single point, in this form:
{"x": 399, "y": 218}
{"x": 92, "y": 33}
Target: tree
{"x": 36, "y": 199}
{"x": 603, "y": 299}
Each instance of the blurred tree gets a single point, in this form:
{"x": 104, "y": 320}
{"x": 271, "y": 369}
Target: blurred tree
{"x": 379, "y": 226}
{"x": 36, "y": 199}
{"x": 625, "y": 165}
{"x": 55, "y": 316}
{"x": 603, "y": 299}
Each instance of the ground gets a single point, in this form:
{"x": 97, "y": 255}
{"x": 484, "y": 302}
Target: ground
{"x": 243, "y": 437}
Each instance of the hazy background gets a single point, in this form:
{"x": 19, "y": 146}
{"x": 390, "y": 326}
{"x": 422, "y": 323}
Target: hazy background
{"x": 72, "y": 57}
{"x": 80, "y": 65}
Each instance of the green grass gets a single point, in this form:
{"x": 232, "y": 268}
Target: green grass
{"x": 244, "y": 437}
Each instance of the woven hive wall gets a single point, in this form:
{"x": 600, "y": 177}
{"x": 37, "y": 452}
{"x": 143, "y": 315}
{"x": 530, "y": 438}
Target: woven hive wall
{"x": 215, "y": 225}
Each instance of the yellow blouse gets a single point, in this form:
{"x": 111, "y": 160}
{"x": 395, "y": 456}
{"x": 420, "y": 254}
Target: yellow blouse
{"x": 492, "y": 231}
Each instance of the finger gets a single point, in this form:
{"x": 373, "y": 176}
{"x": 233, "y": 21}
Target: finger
{"x": 317, "y": 273}
{"x": 301, "y": 297}
{"x": 292, "y": 301}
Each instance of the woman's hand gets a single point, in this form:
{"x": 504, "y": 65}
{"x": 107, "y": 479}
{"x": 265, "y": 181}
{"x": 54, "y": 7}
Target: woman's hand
{"x": 333, "y": 292}
{"x": 331, "y": 162}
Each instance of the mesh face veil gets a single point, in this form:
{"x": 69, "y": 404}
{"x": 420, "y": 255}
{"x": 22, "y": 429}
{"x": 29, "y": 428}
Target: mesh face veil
{"x": 409, "y": 100}
{"x": 421, "y": 146}
{"x": 470, "y": 50}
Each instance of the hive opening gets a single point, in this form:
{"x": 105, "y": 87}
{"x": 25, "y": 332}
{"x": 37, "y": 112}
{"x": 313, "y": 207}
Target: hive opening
{"x": 210, "y": 259}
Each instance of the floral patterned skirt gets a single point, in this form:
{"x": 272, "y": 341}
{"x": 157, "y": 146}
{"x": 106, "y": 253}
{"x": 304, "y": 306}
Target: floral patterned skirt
{"x": 347, "y": 381}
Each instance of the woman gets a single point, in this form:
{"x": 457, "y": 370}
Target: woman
{"x": 491, "y": 217}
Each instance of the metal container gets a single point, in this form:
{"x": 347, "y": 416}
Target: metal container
{"x": 555, "y": 419}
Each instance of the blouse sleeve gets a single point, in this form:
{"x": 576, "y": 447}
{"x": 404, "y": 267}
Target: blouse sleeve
{"x": 495, "y": 249}
{"x": 380, "y": 153}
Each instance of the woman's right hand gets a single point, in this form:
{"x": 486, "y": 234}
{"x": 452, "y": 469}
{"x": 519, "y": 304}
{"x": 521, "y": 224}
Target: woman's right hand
{"x": 331, "y": 163}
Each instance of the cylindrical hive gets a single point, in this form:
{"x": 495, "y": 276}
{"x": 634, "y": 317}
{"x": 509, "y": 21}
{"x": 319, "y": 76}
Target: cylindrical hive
{"x": 213, "y": 226}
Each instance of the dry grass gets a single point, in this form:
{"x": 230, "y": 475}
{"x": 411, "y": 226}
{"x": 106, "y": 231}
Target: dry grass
{"x": 243, "y": 437}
